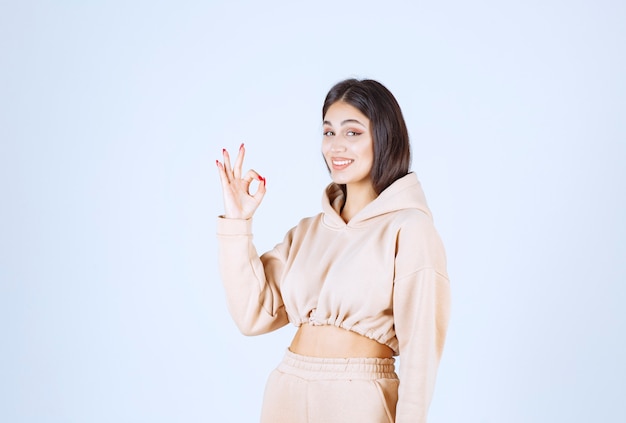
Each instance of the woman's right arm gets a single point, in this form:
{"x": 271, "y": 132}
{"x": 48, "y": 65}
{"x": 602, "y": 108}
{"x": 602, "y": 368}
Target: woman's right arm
{"x": 251, "y": 282}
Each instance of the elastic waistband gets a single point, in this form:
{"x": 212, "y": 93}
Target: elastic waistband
{"x": 315, "y": 368}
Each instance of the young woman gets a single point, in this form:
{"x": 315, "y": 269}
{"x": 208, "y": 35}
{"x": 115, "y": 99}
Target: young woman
{"x": 364, "y": 281}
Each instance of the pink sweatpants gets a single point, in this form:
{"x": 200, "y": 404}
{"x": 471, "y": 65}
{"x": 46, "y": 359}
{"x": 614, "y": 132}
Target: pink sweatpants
{"x": 328, "y": 390}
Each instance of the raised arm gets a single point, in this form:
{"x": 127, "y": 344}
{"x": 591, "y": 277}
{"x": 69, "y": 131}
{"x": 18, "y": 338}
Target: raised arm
{"x": 251, "y": 282}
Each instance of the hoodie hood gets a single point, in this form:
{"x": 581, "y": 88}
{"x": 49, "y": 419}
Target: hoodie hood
{"x": 404, "y": 193}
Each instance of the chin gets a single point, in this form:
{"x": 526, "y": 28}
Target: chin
{"x": 339, "y": 180}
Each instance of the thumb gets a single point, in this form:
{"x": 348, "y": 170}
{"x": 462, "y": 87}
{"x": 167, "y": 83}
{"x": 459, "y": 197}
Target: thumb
{"x": 261, "y": 189}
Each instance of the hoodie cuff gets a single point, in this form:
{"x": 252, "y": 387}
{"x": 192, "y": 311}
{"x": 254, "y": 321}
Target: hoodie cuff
{"x": 227, "y": 226}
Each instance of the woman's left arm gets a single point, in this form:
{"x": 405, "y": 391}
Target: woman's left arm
{"x": 421, "y": 307}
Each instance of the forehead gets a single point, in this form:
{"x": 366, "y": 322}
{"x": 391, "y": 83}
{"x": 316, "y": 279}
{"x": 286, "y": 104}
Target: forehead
{"x": 340, "y": 112}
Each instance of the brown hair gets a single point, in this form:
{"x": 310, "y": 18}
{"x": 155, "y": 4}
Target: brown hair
{"x": 392, "y": 153}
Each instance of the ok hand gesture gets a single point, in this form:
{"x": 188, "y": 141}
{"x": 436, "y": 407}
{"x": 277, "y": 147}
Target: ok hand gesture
{"x": 239, "y": 203}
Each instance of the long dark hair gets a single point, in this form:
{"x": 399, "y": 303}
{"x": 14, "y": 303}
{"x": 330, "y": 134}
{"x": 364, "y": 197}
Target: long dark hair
{"x": 392, "y": 153}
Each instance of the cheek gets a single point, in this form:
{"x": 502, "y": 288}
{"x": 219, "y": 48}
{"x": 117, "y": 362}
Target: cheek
{"x": 367, "y": 151}
{"x": 325, "y": 147}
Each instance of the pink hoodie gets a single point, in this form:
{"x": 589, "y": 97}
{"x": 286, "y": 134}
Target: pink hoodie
{"x": 382, "y": 275}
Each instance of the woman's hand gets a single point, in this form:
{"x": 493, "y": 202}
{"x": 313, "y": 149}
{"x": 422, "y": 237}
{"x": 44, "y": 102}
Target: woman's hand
{"x": 239, "y": 203}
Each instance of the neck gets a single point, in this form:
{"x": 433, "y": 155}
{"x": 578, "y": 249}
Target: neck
{"x": 357, "y": 197}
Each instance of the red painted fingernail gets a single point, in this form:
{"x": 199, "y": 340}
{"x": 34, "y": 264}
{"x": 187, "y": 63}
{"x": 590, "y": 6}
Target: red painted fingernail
{"x": 241, "y": 146}
{"x": 223, "y": 151}
{"x": 217, "y": 162}
{"x": 262, "y": 179}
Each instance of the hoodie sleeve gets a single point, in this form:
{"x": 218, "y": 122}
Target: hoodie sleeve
{"x": 421, "y": 307}
{"x": 252, "y": 283}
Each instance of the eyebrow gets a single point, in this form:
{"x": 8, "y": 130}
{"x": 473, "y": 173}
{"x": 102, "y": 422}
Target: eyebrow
{"x": 345, "y": 121}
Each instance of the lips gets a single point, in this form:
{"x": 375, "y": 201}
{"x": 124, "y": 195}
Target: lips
{"x": 339, "y": 163}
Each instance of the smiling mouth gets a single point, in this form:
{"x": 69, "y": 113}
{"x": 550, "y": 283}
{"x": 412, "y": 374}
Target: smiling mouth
{"x": 341, "y": 163}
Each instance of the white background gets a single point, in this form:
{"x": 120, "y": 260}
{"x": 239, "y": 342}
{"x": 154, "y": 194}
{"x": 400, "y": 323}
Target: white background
{"x": 112, "y": 115}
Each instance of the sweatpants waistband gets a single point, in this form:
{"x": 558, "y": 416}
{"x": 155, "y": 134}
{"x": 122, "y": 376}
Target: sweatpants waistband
{"x": 316, "y": 368}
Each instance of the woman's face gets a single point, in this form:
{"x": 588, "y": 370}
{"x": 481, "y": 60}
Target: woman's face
{"x": 347, "y": 145}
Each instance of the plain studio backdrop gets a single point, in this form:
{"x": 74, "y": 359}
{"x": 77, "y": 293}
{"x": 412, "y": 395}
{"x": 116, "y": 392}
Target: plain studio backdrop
{"x": 112, "y": 115}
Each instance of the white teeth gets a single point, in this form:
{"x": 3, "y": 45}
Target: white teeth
{"x": 342, "y": 162}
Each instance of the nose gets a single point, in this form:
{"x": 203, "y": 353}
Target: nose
{"x": 337, "y": 145}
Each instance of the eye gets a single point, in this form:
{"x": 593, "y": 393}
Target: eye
{"x": 328, "y": 133}
{"x": 353, "y": 133}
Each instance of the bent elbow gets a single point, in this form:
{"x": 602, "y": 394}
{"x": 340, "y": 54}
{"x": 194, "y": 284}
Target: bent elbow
{"x": 259, "y": 326}
{"x": 249, "y": 331}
